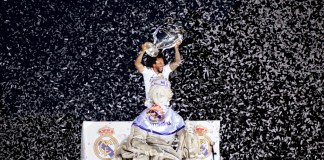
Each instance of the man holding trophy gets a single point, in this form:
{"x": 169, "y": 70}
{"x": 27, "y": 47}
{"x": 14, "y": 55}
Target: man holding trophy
{"x": 166, "y": 36}
{"x": 156, "y": 66}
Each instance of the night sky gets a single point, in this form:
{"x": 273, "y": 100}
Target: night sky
{"x": 255, "y": 65}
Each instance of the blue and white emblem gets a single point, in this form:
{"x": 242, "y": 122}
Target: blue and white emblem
{"x": 105, "y": 145}
{"x": 204, "y": 141}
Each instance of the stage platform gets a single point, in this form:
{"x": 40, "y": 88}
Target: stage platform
{"x": 98, "y": 146}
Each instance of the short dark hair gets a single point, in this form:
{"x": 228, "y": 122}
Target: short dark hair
{"x": 152, "y": 60}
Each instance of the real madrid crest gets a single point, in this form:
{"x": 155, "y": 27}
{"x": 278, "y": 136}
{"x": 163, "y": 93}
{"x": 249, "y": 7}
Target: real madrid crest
{"x": 204, "y": 140}
{"x": 105, "y": 145}
{"x": 155, "y": 113}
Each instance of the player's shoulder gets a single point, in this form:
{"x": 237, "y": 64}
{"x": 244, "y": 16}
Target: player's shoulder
{"x": 147, "y": 70}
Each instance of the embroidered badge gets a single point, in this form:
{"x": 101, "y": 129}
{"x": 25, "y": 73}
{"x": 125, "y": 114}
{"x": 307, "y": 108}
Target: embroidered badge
{"x": 155, "y": 114}
{"x": 105, "y": 145}
{"x": 204, "y": 140}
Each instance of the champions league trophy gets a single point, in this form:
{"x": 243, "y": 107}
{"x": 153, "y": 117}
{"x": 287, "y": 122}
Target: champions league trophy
{"x": 165, "y": 36}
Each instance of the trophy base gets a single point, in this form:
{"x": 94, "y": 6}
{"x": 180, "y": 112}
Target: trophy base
{"x": 152, "y": 50}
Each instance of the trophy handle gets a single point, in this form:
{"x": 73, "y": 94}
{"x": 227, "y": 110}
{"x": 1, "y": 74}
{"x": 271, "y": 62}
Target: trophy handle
{"x": 184, "y": 34}
{"x": 154, "y": 34}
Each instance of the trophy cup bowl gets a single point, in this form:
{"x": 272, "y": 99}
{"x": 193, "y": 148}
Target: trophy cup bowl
{"x": 166, "y": 36}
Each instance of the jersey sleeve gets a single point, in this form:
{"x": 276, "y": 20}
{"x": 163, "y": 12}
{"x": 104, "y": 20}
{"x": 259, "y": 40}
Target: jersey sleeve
{"x": 167, "y": 70}
{"x": 145, "y": 71}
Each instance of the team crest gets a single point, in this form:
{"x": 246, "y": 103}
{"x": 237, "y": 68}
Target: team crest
{"x": 204, "y": 141}
{"x": 155, "y": 113}
{"x": 105, "y": 145}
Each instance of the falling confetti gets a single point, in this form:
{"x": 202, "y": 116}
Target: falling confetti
{"x": 257, "y": 66}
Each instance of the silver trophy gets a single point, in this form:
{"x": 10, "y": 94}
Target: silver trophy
{"x": 165, "y": 36}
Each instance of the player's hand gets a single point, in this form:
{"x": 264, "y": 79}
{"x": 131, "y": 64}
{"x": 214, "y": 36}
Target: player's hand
{"x": 178, "y": 44}
{"x": 145, "y": 46}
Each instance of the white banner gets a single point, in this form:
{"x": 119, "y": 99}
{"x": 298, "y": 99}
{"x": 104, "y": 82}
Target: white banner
{"x": 100, "y": 139}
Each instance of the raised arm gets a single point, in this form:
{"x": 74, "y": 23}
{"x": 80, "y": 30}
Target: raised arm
{"x": 177, "y": 60}
{"x": 138, "y": 62}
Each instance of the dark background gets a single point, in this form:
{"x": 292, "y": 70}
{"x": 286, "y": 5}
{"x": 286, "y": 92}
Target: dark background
{"x": 255, "y": 65}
